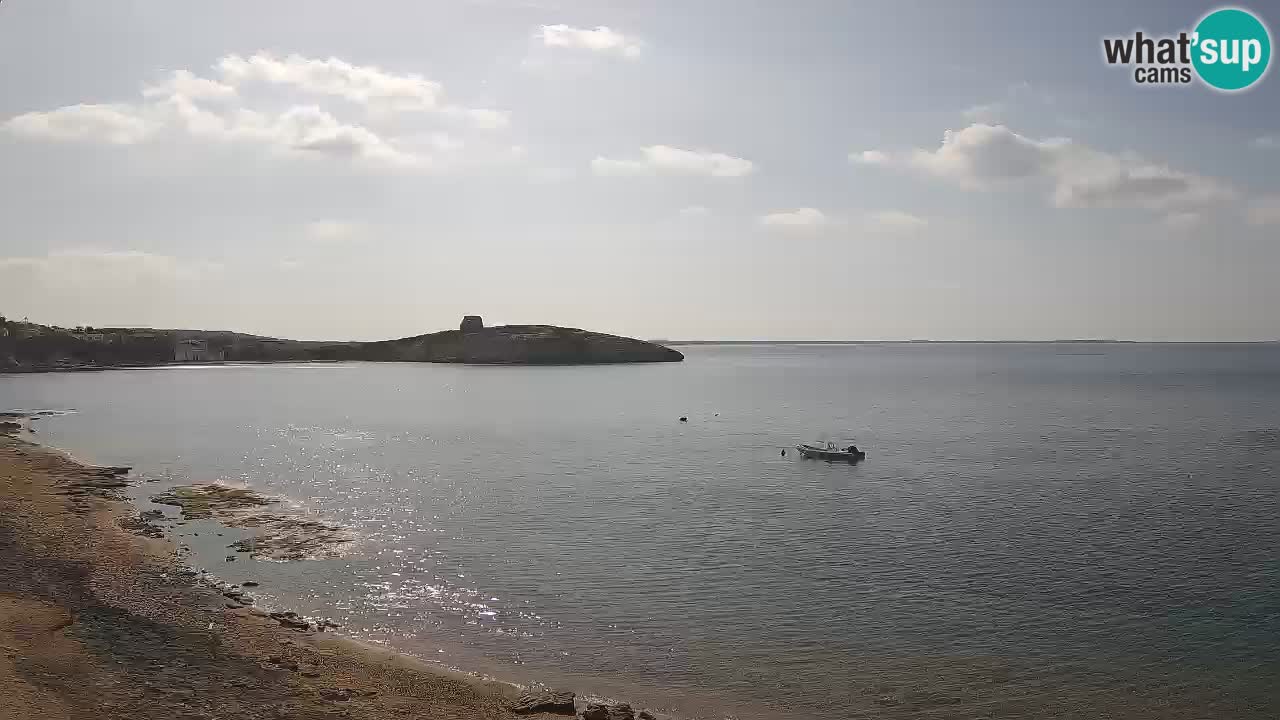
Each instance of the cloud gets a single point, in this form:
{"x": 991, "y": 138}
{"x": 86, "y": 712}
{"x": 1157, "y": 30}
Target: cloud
{"x": 1265, "y": 211}
{"x": 305, "y": 129}
{"x": 601, "y": 39}
{"x": 869, "y": 157}
{"x": 1267, "y": 142}
{"x": 987, "y": 156}
{"x": 664, "y": 159}
{"x": 894, "y": 221}
{"x": 214, "y": 110}
{"x": 982, "y": 154}
{"x": 333, "y": 231}
{"x": 111, "y": 124}
{"x": 183, "y": 83}
{"x": 800, "y": 218}
{"x": 365, "y": 85}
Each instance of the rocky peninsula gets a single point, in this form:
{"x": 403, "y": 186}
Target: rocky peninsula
{"x": 507, "y": 345}
{"x": 30, "y": 347}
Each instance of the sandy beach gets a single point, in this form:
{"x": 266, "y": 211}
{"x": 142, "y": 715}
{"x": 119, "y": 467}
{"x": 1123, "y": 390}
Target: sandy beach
{"x": 99, "y": 622}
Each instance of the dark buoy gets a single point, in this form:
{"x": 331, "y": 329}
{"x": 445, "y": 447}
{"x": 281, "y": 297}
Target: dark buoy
{"x": 784, "y": 452}
{"x": 684, "y": 419}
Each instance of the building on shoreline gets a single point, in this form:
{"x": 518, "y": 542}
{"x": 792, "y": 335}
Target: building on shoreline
{"x": 195, "y": 351}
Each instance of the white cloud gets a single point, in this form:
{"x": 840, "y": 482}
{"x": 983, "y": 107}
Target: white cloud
{"x": 313, "y": 130}
{"x": 214, "y": 110}
{"x": 333, "y": 231}
{"x": 1267, "y": 142}
{"x": 869, "y": 157}
{"x": 982, "y": 154}
{"x": 185, "y": 84}
{"x": 601, "y": 39}
{"x": 1265, "y": 211}
{"x": 359, "y": 84}
{"x": 664, "y": 159}
{"x": 695, "y": 211}
{"x": 986, "y": 156}
{"x": 800, "y": 218}
{"x": 894, "y": 221}
{"x": 365, "y": 85}
{"x": 112, "y": 124}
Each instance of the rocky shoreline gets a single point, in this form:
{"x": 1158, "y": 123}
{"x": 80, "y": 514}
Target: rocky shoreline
{"x": 99, "y": 616}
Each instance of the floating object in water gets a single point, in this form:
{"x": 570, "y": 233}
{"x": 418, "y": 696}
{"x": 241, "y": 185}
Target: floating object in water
{"x": 830, "y": 452}
{"x": 684, "y": 419}
{"x": 784, "y": 452}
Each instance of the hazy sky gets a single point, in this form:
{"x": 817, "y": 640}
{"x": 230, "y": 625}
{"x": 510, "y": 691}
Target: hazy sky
{"x": 734, "y": 169}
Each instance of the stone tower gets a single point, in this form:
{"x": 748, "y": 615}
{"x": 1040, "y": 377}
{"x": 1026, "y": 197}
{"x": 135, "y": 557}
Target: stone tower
{"x": 471, "y": 323}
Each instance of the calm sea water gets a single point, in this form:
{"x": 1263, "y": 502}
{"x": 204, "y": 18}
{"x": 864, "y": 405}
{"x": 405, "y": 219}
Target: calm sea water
{"x": 1041, "y": 530}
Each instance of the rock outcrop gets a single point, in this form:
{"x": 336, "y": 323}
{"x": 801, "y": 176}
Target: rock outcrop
{"x": 559, "y": 702}
{"x": 599, "y": 711}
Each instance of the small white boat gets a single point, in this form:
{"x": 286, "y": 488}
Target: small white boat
{"x": 830, "y": 452}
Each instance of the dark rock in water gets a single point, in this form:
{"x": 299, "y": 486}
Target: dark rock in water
{"x": 249, "y": 583}
{"x": 621, "y": 711}
{"x": 231, "y": 558}
{"x": 646, "y": 715}
{"x": 684, "y": 419}
{"x": 290, "y": 620}
{"x": 10, "y": 427}
{"x": 544, "y": 701}
{"x": 204, "y": 501}
{"x": 599, "y": 711}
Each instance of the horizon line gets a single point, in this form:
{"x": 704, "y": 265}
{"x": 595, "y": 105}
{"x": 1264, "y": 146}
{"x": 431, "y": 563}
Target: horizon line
{"x": 1063, "y": 341}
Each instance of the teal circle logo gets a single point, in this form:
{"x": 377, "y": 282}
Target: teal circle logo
{"x": 1232, "y": 49}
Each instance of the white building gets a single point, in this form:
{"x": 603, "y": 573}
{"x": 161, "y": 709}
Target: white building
{"x": 195, "y": 351}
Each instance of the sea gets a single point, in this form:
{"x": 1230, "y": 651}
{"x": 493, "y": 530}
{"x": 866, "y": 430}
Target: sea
{"x": 1051, "y": 530}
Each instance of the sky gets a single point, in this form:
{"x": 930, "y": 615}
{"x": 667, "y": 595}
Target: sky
{"x": 734, "y": 169}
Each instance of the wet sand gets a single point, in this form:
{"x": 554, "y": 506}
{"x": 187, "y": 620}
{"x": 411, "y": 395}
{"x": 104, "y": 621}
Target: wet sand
{"x": 99, "y": 622}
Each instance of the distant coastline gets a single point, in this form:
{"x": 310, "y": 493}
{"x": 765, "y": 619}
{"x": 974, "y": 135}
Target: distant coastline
{"x": 31, "y": 347}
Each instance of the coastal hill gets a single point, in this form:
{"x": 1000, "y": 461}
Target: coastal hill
{"x": 506, "y": 345}
{"x": 27, "y": 346}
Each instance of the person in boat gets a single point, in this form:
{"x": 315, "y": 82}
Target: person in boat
{"x": 852, "y": 450}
